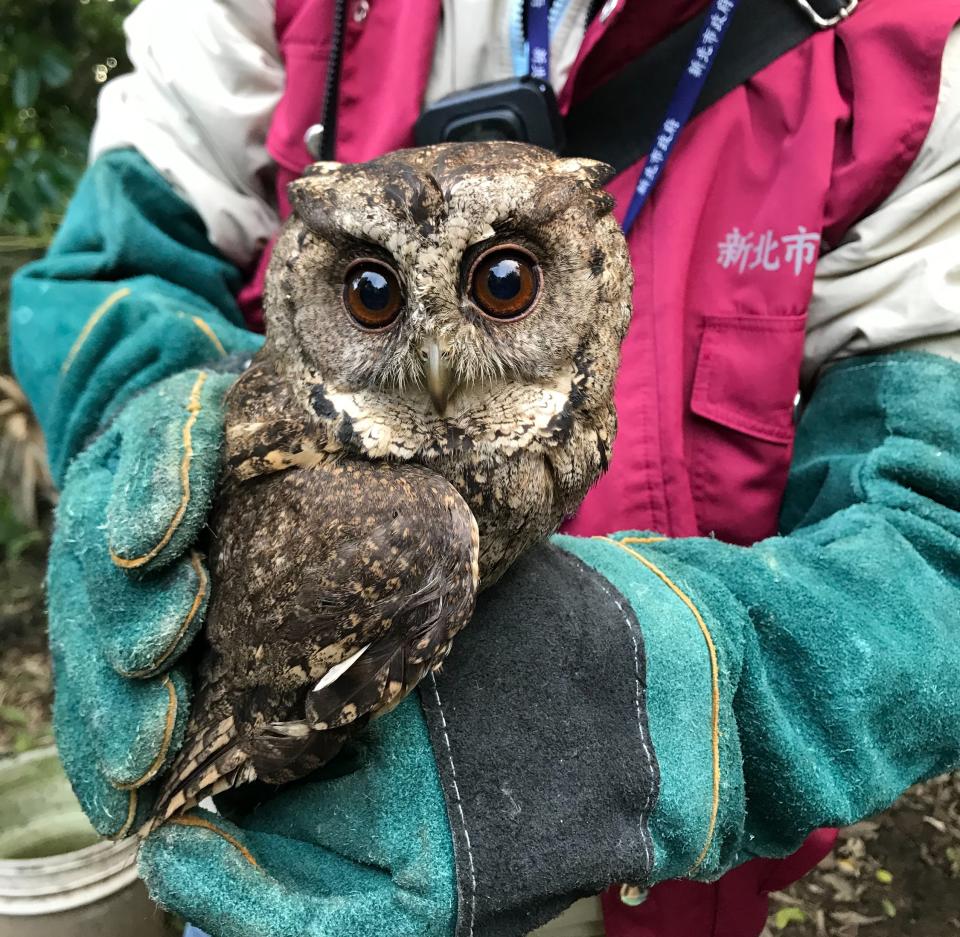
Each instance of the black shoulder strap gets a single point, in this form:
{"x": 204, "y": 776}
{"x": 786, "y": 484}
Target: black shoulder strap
{"x": 617, "y": 122}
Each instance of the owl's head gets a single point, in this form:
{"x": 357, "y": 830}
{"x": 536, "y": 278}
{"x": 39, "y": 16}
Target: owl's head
{"x": 450, "y": 293}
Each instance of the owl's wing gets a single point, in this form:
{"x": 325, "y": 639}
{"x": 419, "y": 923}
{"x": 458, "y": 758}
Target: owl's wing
{"x": 383, "y": 671}
{"x": 335, "y": 590}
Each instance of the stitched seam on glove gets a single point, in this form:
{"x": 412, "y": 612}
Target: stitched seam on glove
{"x": 158, "y": 663}
{"x": 714, "y": 688}
{"x": 208, "y": 331}
{"x": 207, "y": 825}
{"x": 459, "y": 803}
{"x": 193, "y": 408}
{"x": 149, "y": 774}
{"x": 131, "y": 814}
{"x": 90, "y": 324}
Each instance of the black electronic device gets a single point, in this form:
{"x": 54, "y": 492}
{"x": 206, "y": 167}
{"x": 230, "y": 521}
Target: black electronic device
{"x": 617, "y": 121}
{"x": 523, "y": 109}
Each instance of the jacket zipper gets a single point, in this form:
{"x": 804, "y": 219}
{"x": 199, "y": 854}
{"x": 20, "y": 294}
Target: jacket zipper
{"x": 328, "y": 116}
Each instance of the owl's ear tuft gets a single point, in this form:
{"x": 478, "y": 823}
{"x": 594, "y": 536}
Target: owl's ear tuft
{"x": 313, "y": 200}
{"x": 603, "y": 203}
{"x": 571, "y": 181}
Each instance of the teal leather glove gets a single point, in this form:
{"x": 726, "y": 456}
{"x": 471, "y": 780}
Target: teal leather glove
{"x": 112, "y": 333}
{"x": 127, "y": 592}
{"x": 129, "y": 293}
{"x": 366, "y": 854}
{"x": 636, "y": 708}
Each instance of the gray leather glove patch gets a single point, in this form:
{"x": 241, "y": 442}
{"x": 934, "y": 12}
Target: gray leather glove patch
{"x": 538, "y": 724}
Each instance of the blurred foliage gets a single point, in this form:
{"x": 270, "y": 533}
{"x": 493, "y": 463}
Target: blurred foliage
{"x": 24, "y": 473}
{"x": 16, "y": 536}
{"x": 54, "y": 57}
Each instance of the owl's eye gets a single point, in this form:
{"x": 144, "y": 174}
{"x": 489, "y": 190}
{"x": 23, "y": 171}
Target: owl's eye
{"x": 372, "y": 294}
{"x": 504, "y": 283}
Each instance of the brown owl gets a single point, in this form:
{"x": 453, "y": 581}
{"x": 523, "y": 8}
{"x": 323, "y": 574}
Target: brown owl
{"x": 433, "y": 398}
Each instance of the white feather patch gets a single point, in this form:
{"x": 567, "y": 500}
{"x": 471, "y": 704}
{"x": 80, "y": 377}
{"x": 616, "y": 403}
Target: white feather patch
{"x": 338, "y": 670}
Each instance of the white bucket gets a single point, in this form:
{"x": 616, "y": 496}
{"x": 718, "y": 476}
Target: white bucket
{"x": 57, "y": 878}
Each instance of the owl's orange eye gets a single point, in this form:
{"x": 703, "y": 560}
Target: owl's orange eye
{"x": 504, "y": 283}
{"x": 372, "y": 294}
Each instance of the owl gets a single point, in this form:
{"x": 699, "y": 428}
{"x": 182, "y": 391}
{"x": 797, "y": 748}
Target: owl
{"x": 435, "y": 395}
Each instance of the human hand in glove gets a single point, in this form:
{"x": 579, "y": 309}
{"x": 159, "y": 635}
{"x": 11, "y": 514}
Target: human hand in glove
{"x": 372, "y": 852}
{"x": 634, "y": 708}
{"x": 128, "y": 590}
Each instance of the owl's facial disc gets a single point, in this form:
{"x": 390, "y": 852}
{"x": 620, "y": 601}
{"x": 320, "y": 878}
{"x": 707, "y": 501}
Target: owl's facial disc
{"x": 471, "y": 292}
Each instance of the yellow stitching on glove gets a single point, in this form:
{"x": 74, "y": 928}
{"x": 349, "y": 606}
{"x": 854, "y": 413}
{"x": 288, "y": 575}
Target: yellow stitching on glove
{"x": 95, "y": 317}
{"x": 150, "y": 670}
{"x": 208, "y": 331}
{"x": 714, "y": 681}
{"x": 193, "y": 407}
{"x": 131, "y": 813}
{"x": 207, "y": 825}
{"x": 164, "y": 745}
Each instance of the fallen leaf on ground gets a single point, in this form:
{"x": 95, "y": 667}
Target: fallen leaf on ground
{"x": 787, "y": 916}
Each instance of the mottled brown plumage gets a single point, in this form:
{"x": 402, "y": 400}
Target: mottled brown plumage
{"x": 377, "y": 477}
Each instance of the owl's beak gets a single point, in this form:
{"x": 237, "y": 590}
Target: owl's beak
{"x": 441, "y": 381}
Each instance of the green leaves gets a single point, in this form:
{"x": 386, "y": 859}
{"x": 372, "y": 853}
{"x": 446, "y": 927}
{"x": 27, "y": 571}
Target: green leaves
{"x": 45, "y": 63}
{"x": 13, "y": 715}
{"x": 15, "y": 536}
{"x": 55, "y": 67}
{"x": 54, "y": 55}
{"x": 26, "y": 87}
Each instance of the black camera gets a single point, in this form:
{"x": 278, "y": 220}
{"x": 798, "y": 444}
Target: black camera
{"x": 522, "y": 109}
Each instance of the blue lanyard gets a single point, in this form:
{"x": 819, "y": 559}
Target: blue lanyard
{"x": 682, "y": 103}
{"x": 538, "y": 38}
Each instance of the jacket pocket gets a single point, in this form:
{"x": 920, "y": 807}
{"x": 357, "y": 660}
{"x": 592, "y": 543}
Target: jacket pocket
{"x": 742, "y": 426}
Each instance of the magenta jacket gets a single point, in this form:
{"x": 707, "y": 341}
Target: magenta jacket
{"x": 723, "y": 255}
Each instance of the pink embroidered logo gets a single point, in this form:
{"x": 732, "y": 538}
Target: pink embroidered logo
{"x": 749, "y": 251}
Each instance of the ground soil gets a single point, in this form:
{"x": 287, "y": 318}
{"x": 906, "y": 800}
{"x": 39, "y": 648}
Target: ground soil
{"x": 895, "y": 874}
{"x": 25, "y": 692}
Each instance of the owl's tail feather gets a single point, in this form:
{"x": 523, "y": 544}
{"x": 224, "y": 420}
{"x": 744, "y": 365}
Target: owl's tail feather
{"x": 211, "y": 764}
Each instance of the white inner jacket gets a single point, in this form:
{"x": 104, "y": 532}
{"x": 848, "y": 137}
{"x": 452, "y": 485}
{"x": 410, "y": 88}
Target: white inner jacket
{"x": 207, "y": 77}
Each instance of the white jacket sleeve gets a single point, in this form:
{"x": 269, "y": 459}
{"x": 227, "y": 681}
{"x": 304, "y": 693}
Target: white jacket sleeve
{"x": 207, "y": 77}
{"x": 894, "y": 282}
